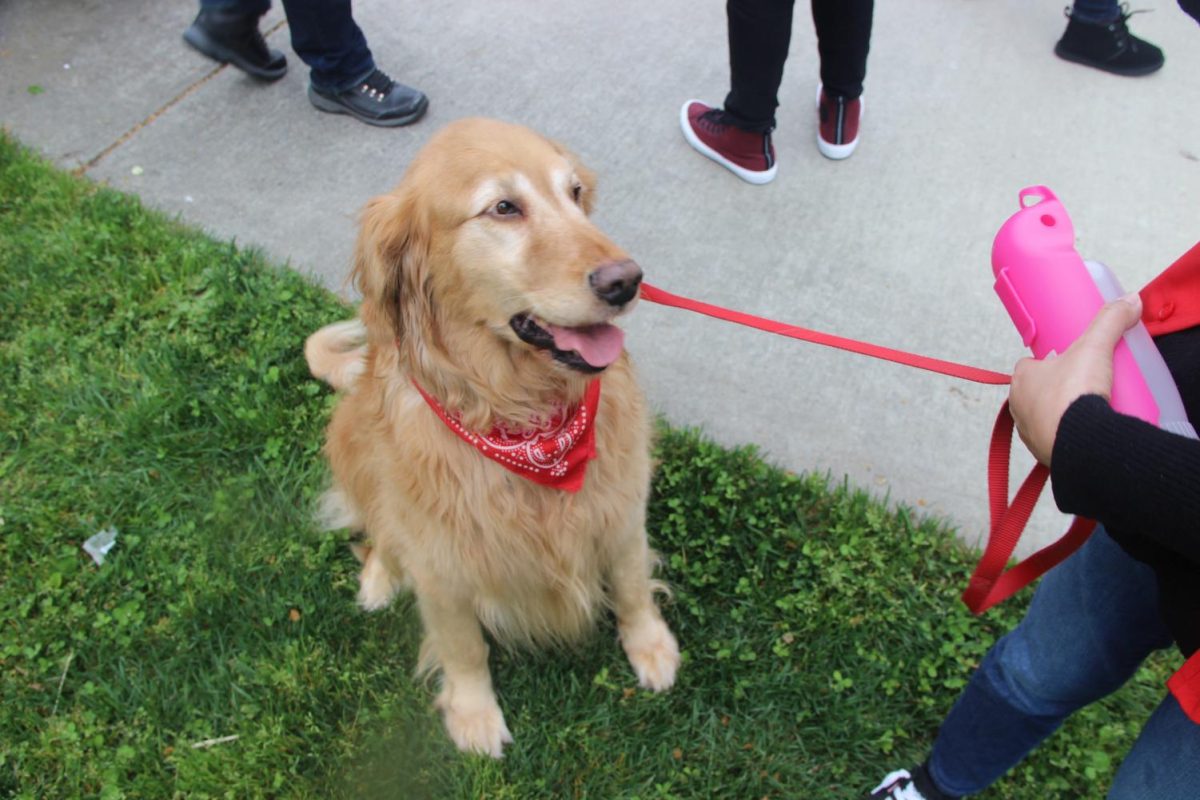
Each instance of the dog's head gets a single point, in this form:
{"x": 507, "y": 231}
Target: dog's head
{"x": 485, "y": 251}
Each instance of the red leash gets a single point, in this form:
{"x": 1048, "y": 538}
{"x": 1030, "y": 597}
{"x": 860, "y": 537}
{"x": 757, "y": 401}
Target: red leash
{"x": 989, "y": 584}
{"x": 975, "y": 374}
{"x": 1170, "y": 305}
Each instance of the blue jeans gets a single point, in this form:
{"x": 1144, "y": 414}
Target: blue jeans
{"x": 1102, "y": 11}
{"x": 324, "y": 35}
{"x": 1092, "y": 621}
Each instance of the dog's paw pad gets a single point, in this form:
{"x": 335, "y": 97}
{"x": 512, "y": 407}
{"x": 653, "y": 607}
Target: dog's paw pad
{"x": 653, "y": 653}
{"x": 478, "y": 729}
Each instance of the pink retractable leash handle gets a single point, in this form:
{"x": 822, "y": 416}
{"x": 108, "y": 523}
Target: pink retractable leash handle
{"x": 1052, "y": 295}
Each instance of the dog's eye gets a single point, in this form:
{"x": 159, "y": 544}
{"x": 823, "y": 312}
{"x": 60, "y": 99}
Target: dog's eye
{"x": 577, "y": 192}
{"x": 507, "y": 208}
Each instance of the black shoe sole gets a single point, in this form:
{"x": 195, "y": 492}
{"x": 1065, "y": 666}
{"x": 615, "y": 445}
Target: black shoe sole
{"x": 1128, "y": 72}
{"x": 198, "y": 38}
{"x": 334, "y": 106}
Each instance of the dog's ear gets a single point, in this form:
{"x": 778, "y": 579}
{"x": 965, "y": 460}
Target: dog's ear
{"x": 390, "y": 255}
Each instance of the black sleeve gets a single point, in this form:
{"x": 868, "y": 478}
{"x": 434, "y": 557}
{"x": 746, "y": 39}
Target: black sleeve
{"x": 1129, "y": 475}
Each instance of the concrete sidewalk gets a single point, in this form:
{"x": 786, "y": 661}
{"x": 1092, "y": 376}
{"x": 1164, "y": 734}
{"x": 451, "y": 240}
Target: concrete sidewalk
{"x": 966, "y": 104}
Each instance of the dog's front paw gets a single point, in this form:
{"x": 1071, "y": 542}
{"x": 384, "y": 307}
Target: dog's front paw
{"x": 476, "y": 726}
{"x": 376, "y": 585}
{"x": 652, "y": 651}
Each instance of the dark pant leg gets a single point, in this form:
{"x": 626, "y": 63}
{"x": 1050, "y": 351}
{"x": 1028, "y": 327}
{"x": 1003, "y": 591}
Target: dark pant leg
{"x": 329, "y": 41}
{"x": 1100, "y": 12}
{"x": 1164, "y": 763}
{"x": 843, "y": 39}
{"x": 255, "y": 7}
{"x": 759, "y": 34}
{"x": 1092, "y": 621}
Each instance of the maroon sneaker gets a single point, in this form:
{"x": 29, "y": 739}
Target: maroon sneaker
{"x": 837, "y": 124}
{"x": 747, "y": 154}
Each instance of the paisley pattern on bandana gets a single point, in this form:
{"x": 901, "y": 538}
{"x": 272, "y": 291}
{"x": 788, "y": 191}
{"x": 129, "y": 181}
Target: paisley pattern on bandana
{"x": 550, "y": 451}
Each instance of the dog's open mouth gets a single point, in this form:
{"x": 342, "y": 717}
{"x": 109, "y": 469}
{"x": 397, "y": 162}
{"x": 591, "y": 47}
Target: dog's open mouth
{"x": 589, "y": 348}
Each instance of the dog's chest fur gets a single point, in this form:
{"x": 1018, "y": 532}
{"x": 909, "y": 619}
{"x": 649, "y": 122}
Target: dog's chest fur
{"x": 533, "y": 559}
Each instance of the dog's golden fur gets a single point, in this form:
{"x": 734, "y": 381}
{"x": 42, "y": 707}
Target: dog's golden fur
{"x": 443, "y": 265}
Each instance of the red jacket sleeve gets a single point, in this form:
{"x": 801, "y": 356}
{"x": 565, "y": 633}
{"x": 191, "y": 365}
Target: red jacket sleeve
{"x": 1171, "y": 302}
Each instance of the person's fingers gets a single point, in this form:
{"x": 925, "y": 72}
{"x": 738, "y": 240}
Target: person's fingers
{"x": 1035, "y": 409}
{"x": 1088, "y": 363}
{"x": 1042, "y": 390}
{"x": 1110, "y": 324}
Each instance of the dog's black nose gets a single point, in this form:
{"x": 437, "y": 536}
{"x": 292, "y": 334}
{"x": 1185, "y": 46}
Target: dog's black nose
{"x": 616, "y": 283}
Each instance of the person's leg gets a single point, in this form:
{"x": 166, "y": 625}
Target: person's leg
{"x": 1092, "y": 621}
{"x": 843, "y": 40}
{"x": 843, "y": 30}
{"x": 343, "y": 77}
{"x": 1097, "y": 36}
{"x": 227, "y": 31}
{"x": 759, "y": 34}
{"x": 329, "y": 41}
{"x": 738, "y": 136}
{"x": 1096, "y": 11}
{"x": 248, "y": 7}
{"x": 1164, "y": 763}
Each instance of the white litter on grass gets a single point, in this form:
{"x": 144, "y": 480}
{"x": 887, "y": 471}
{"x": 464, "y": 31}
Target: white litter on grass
{"x": 98, "y": 545}
{"x": 211, "y": 742}
{"x": 61, "y": 681}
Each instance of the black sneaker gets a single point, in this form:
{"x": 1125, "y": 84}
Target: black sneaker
{"x": 1108, "y": 46}
{"x": 376, "y": 100}
{"x": 233, "y": 38}
{"x": 903, "y": 785}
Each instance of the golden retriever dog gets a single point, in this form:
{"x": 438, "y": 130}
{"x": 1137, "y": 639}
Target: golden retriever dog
{"x": 486, "y": 321}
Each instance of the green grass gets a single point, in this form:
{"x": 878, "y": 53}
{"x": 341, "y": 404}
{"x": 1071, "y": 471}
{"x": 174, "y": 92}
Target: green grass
{"x": 152, "y": 379}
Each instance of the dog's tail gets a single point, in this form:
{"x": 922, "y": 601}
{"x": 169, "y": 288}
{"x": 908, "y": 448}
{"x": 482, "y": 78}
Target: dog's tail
{"x": 337, "y": 354}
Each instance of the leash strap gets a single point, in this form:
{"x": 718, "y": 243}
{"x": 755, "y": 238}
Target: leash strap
{"x": 990, "y": 584}
{"x": 656, "y": 295}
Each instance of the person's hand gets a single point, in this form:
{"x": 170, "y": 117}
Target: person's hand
{"x": 1042, "y": 390}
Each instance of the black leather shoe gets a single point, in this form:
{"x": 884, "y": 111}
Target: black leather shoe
{"x": 1108, "y": 46}
{"x": 233, "y": 38}
{"x": 376, "y": 100}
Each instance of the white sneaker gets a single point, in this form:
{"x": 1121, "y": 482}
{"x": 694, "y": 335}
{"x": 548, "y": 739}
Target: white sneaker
{"x": 898, "y": 785}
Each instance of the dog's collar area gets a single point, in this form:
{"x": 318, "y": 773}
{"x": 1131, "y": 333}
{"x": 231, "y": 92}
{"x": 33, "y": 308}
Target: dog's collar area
{"x": 552, "y": 452}
{"x": 596, "y": 346}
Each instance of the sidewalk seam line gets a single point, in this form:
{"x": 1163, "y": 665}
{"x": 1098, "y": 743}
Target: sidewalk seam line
{"x": 129, "y": 134}
{"x": 164, "y": 108}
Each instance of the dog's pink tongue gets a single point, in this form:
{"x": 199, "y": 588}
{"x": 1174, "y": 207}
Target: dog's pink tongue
{"x": 598, "y": 345}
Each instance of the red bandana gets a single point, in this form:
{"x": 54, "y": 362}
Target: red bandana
{"x": 553, "y": 452}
